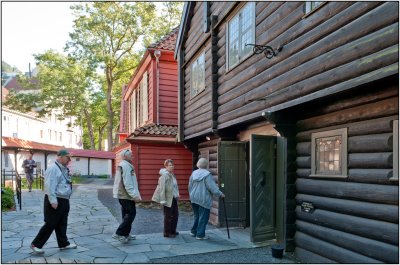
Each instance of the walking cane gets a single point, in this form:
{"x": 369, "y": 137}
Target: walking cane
{"x": 226, "y": 217}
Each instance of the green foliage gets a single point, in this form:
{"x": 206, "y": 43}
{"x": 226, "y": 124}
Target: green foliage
{"x": 7, "y": 199}
{"x": 6, "y": 68}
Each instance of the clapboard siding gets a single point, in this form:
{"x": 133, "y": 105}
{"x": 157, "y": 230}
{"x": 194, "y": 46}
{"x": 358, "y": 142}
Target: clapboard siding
{"x": 168, "y": 93}
{"x": 360, "y": 213}
{"x": 151, "y": 159}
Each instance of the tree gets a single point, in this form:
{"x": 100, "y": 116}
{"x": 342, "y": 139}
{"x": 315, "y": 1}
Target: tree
{"x": 64, "y": 85}
{"x": 105, "y": 33}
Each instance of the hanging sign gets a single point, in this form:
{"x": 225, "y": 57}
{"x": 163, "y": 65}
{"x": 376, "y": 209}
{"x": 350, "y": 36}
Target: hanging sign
{"x": 307, "y": 207}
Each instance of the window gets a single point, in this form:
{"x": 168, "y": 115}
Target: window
{"x": 311, "y": 5}
{"x": 144, "y": 99}
{"x": 49, "y": 131}
{"x": 240, "y": 31}
{"x": 60, "y": 136}
{"x": 41, "y": 134}
{"x": 133, "y": 111}
{"x": 5, "y": 155}
{"x": 395, "y": 150}
{"x": 198, "y": 82}
{"x": 77, "y": 159}
{"x": 329, "y": 153}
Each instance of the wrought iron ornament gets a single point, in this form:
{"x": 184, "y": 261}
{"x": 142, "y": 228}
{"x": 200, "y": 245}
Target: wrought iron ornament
{"x": 268, "y": 51}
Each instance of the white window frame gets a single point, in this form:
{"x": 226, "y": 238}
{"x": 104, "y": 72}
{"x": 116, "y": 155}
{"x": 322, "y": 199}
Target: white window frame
{"x": 133, "y": 111}
{"x": 145, "y": 98}
{"x": 395, "y": 176}
{"x": 310, "y": 6}
{"x": 6, "y": 159}
{"x": 242, "y": 55}
{"x": 343, "y": 152}
{"x": 198, "y": 78}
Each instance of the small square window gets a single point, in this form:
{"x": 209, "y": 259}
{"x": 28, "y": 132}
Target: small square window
{"x": 329, "y": 154}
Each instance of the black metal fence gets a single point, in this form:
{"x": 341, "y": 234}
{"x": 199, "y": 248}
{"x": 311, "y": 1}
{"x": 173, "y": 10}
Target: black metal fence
{"x": 11, "y": 178}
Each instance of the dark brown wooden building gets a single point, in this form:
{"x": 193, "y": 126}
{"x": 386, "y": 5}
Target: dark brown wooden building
{"x": 302, "y": 130}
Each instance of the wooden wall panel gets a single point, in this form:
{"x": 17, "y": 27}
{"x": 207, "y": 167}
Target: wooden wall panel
{"x": 168, "y": 93}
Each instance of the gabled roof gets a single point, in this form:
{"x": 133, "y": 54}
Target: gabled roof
{"x": 24, "y": 144}
{"x": 91, "y": 153}
{"x": 13, "y": 84}
{"x": 184, "y": 25}
{"x": 155, "y": 130}
{"x": 167, "y": 42}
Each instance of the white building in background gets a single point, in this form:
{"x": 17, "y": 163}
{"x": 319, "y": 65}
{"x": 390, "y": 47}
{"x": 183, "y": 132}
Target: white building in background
{"x": 49, "y": 130}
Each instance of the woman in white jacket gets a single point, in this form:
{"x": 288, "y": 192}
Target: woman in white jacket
{"x": 126, "y": 190}
{"x": 167, "y": 194}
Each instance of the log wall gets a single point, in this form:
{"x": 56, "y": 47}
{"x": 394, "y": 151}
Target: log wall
{"x": 212, "y": 148}
{"x": 356, "y": 219}
{"x": 341, "y": 43}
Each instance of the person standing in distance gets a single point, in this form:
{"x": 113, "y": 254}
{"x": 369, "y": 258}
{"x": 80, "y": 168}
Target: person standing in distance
{"x": 28, "y": 166}
{"x": 126, "y": 190}
{"x": 58, "y": 189}
{"x": 201, "y": 189}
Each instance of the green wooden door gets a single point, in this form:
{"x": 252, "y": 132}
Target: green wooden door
{"x": 262, "y": 187}
{"x": 232, "y": 179}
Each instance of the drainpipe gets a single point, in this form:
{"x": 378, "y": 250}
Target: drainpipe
{"x": 157, "y": 54}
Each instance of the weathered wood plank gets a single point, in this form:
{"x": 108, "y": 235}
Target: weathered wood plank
{"x": 303, "y": 161}
{"x": 304, "y": 49}
{"x": 373, "y": 229}
{"x": 370, "y": 160}
{"x": 381, "y": 108}
{"x": 311, "y": 257}
{"x": 330, "y": 251}
{"x": 376, "y": 211}
{"x": 364, "y": 246}
{"x": 370, "y": 143}
{"x": 199, "y": 119}
{"x": 370, "y": 192}
{"x": 371, "y": 175}
{"x": 198, "y": 128}
{"x": 303, "y": 148}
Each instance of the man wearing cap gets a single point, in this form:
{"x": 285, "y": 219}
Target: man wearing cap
{"x": 58, "y": 189}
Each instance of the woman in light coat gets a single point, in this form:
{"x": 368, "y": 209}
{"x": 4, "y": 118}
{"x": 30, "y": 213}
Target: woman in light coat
{"x": 202, "y": 188}
{"x": 167, "y": 194}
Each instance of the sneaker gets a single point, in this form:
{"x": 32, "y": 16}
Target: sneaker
{"x": 202, "y": 238}
{"x": 192, "y": 234}
{"x": 122, "y": 239}
{"x": 131, "y": 237}
{"x": 70, "y": 246}
{"x": 37, "y": 250}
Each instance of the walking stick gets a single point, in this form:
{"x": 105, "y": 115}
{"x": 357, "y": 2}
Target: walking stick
{"x": 226, "y": 217}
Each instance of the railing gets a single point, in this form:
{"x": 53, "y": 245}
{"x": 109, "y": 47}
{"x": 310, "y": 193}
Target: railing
{"x": 15, "y": 178}
{"x": 19, "y": 190}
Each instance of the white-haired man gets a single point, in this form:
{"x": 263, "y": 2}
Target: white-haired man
{"x": 126, "y": 190}
{"x": 201, "y": 189}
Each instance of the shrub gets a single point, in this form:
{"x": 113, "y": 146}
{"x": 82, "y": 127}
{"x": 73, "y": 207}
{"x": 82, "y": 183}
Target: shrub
{"x": 7, "y": 199}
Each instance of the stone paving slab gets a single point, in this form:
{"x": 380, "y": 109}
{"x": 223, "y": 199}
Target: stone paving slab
{"x": 91, "y": 226}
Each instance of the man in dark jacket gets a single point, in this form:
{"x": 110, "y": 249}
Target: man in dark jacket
{"x": 28, "y": 166}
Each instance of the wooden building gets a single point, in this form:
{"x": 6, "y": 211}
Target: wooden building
{"x": 149, "y": 119}
{"x": 302, "y": 130}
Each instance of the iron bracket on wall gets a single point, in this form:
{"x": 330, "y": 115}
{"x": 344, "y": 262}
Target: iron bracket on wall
{"x": 268, "y": 51}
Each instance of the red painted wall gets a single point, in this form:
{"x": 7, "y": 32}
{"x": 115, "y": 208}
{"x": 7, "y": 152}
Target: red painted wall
{"x": 150, "y": 159}
{"x": 168, "y": 92}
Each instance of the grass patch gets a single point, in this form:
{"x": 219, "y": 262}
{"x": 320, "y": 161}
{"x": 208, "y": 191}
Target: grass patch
{"x": 78, "y": 179}
{"x": 7, "y": 199}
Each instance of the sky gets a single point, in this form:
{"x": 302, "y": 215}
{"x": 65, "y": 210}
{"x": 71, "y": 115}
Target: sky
{"x": 33, "y": 27}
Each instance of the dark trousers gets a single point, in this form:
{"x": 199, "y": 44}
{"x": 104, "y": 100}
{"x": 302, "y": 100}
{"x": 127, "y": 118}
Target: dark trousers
{"x": 29, "y": 179}
{"x": 171, "y": 215}
{"x": 128, "y": 210}
{"x": 55, "y": 220}
{"x": 201, "y": 216}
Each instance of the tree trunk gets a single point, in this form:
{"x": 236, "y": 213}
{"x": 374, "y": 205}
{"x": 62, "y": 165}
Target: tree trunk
{"x": 90, "y": 127}
{"x": 109, "y": 109}
{"x": 101, "y": 133}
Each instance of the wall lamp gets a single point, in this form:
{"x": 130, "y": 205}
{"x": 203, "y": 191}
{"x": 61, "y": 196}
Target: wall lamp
{"x": 268, "y": 51}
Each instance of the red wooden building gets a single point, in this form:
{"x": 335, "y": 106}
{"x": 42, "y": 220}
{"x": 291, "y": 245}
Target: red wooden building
{"x": 149, "y": 119}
